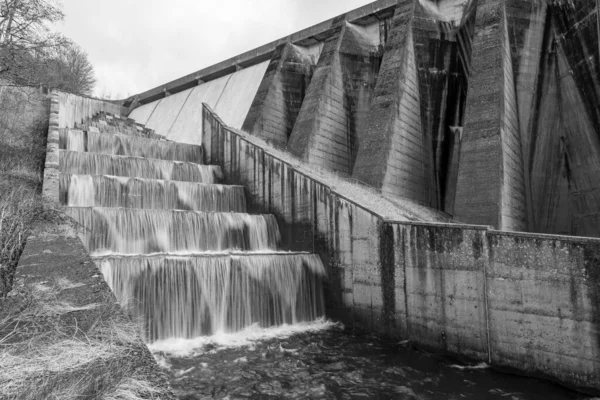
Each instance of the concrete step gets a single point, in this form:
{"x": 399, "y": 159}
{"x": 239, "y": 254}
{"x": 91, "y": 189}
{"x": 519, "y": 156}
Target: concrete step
{"x": 82, "y": 163}
{"x": 114, "y": 124}
{"x": 113, "y": 191}
{"x": 124, "y": 145}
{"x": 136, "y": 231}
{"x": 200, "y": 295}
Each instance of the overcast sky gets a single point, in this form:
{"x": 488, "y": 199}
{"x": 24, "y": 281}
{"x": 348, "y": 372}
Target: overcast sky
{"x": 136, "y": 45}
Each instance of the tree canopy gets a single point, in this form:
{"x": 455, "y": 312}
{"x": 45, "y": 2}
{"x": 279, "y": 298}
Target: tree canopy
{"x": 31, "y": 53}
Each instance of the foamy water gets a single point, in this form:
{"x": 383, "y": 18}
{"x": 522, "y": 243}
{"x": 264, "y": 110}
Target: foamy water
{"x": 247, "y": 337}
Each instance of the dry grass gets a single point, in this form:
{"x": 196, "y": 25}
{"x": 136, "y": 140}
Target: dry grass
{"x": 21, "y": 209}
{"x": 41, "y": 357}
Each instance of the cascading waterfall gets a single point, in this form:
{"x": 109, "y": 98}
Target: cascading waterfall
{"x": 207, "y": 295}
{"x": 96, "y": 142}
{"x": 114, "y": 191}
{"x": 134, "y": 231}
{"x": 73, "y": 162}
{"x": 176, "y": 245}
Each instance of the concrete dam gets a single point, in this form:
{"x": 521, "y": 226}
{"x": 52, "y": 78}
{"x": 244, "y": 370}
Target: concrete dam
{"x": 419, "y": 170}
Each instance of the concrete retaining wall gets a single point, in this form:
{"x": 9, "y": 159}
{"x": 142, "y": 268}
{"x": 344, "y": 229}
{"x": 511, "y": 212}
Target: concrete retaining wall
{"x": 524, "y": 301}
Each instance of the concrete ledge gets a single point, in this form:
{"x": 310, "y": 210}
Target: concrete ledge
{"x": 51, "y": 258}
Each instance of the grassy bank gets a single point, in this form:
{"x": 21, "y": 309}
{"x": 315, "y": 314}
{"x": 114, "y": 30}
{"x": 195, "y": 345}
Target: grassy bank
{"x": 44, "y": 355}
{"x": 60, "y": 336}
{"x": 23, "y": 130}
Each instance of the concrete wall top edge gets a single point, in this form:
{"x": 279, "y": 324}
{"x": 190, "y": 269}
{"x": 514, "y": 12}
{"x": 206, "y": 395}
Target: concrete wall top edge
{"x": 493, "y": 231}
{"x": 580, "y": 239}
{"x": 243, "y": 136}
{"x": 363, "y": 15}
{"x": 440, "y": 225}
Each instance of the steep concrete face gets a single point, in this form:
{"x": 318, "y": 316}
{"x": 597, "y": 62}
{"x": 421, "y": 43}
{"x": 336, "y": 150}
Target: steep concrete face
{"x": 416, "y": 115}
{"x": 490, "y": 188}
{"x": 395, "y": 163}
{"x": 281, "y": 93}
{"x": 338, "y": 98}
{"x": 443, "y": 56}
{"x": 484, "y": 109}
{"x": 561, "y": 137}
{"x": 178, "y": 116}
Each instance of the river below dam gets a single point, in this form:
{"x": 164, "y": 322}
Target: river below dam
{"x": 322, "y": 360}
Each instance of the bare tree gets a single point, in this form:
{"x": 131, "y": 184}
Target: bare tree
{"x": 25, "y": 35}
{"x": 68, "y": 69}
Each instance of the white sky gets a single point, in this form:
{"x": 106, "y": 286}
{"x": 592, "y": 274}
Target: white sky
{"x": 136, "y": 45}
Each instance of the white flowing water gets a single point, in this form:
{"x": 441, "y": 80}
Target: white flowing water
{"x": 187, "y": 297}
{"x": 95, "y": 142}
{"x": 179, "y": 249}
{"x": 114, "y": 191}
{"x": 135, "y": 231}
{"x": 83, "y": 163}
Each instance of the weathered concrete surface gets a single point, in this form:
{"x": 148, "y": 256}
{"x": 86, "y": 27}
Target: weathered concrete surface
{"x": 143, "y": 113}
{"x": 338, "y": 98}
{"x": 460, "y": 105}
{"x": 236, "y": 99}
{"x": 281, "y": 93}
{"x": 164, "y": 115}
{"x": 524, "y": 301}
{"x": 391, "y": 154}
{"x": 178, "y": 116}
{"x": 188, "y": 125}
{"x": 366, "y": 15}
{"x": 490, "y": 188}
{"x": 543, "y": 297}
{"x": 442, "y": 290}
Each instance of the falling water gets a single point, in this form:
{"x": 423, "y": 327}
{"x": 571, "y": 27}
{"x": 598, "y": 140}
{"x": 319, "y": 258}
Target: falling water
{"x": 73, "y": 162}
{"x": 113, "y": 191}
{"x": 186, "y": 297}
{"x": 135, "y": 231}
{"x": 176, "y": 245}
{"x": 95, "y": 142}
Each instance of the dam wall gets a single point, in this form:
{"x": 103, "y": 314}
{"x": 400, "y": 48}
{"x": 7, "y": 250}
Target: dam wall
{"x": 486, "y": 110}
{"x": 523, "y": 301}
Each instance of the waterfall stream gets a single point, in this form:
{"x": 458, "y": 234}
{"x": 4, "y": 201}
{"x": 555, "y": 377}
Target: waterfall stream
{"x": 177, "y": 246}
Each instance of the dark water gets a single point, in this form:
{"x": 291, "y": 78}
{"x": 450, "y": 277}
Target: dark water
{"x": 334, "y": 364}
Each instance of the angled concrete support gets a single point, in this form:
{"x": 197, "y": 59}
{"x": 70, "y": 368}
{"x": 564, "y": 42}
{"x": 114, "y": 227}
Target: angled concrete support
{"x": 277, "y": 103}
{"x": 338, "y": 98}
{"x": 393, "y": 155}
{"x": 490, "y": 187}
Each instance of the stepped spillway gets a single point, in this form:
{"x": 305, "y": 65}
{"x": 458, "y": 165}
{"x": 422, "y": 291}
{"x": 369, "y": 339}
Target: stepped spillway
{"x": 203, "y": 295}
{"x": 174, "y": 242}
{"x": 83, "y": 163}
{"x": 127, "y": 192}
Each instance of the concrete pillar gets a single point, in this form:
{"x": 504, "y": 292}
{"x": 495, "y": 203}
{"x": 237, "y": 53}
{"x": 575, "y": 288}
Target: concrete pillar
{"x": 443, "y": 56}
{"x": 526, "y": 27}
{"x": 280, "y": 95}
{"x": 393, "y": 155}
{"x": 338, "y": 98}
{"x": 490, "y": 187}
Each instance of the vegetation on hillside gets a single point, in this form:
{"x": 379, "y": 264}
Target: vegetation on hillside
{"x": 32, "y": 54}
{"x": 43, "y": 357}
